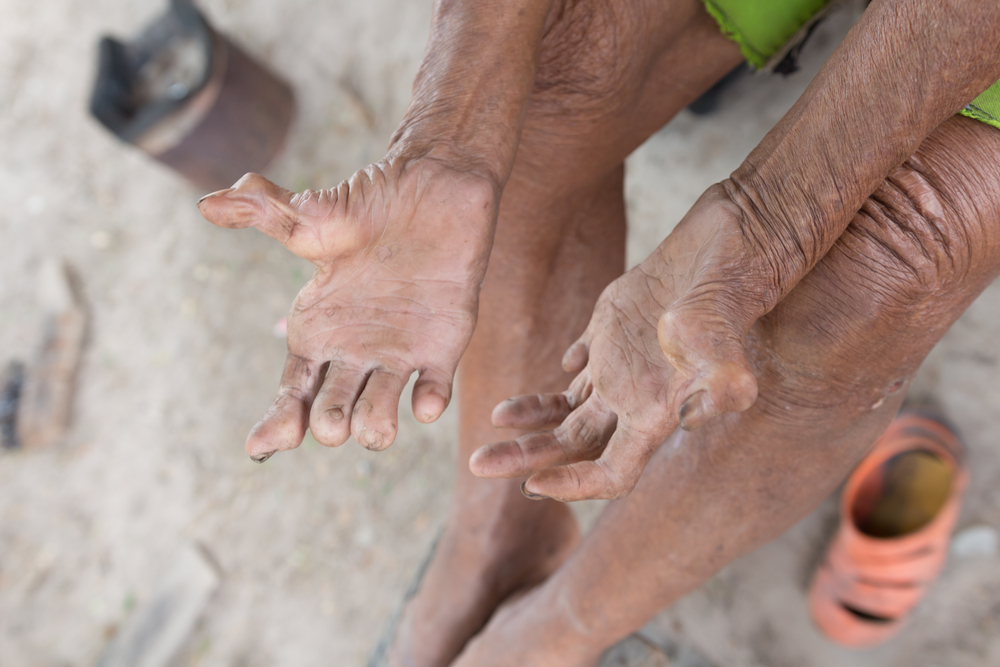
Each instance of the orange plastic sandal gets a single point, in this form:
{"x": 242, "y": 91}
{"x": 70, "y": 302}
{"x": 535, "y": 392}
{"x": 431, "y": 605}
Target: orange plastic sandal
{"x": 898, "y": 510}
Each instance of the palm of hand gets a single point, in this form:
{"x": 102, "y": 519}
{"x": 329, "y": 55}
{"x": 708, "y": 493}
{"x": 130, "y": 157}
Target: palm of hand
{"x": 400, "y": 253}
{"x": 661, "y": 349}
{"x": 613, "y": 416}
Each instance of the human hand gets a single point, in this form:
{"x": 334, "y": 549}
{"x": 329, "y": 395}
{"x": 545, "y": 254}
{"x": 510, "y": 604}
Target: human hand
{"x": 665, "y": 346}
{"x": 400, "y": 251}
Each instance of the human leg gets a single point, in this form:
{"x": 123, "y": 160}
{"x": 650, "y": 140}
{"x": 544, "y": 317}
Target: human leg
{"x": 610, "y": 75}
{"x": 833, "y": 361}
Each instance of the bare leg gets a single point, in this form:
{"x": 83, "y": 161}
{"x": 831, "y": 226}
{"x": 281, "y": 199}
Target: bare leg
{"x": 559, "y": 242}
{"x": 833, "y": 360}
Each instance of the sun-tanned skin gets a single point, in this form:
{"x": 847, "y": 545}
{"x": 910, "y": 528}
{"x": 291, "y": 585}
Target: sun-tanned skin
{"x": 401, "y": 247}
{"x": 559, "y": 242}
{"x": 833, "y": 360}
{"x": 748, "y": 242}
{"x": 569, "y": 89}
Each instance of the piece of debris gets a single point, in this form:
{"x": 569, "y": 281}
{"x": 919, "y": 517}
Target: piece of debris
{"x": 45, "y": 406}
{"x": 280, "y": 329}
{"x": 635, "y": 651}
{"x": 976, "y": 542}
{"x": 11, "y": 383}
{"x": 189, "y": 97}
{"x": 159, "y": 628}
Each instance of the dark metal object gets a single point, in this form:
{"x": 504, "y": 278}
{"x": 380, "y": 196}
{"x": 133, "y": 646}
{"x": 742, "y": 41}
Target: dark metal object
{"x": 11, "y": 384}
{"x": 192, "y": 99}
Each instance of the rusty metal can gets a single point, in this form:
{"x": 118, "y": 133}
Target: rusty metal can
{"x": 192, "y": 99}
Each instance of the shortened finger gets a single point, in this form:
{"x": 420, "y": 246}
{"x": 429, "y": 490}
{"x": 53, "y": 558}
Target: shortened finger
{"x": 375, "y": 417}
{"x": 253, "y": 202}
{"x": 431, "y": 395}
{"x": 709, "y": 352}
{"x": 581, "y": 436}
{"x": 533, "y": 411}
{"x": 540, "y": 411}
{"x": 284, "y": 424}
{"x": 576, "y": 356}
{"x": 330, "y": 419}
{"x": 517, "y": 458}
{"x": 610, "y": 477}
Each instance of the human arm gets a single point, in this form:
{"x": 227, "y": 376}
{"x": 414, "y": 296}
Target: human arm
{"x": 401, "y": 247}
{"x": 666, "y": 345}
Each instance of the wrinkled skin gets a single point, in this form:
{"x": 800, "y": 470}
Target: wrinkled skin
{"x": 745, "y": 245}
{"x": 571, "y": 87}
{"x": 630, "y": 394}
{"x": 833, "y": 360}
{"x": 396, "y": 291}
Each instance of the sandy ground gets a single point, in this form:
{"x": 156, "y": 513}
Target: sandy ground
{"x": 316, "y": 546}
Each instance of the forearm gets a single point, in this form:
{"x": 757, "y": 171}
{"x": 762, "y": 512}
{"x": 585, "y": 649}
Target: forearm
{"x": 904, "y": 68}
{"x": 471, "y": 91}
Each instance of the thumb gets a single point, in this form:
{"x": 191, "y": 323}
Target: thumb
{"x": 708, "y": 350}
{"x": 253, "y": 202}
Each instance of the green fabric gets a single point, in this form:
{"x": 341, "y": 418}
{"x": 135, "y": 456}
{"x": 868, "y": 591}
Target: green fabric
{"x": 762, "y": 27}
{"x": 986, "y": 107}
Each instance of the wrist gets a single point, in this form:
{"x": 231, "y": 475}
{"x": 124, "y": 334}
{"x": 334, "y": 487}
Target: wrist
{"x": 725, "y": 251}
{"x": 472, "y": 88}
{"x": 412, "y": 145}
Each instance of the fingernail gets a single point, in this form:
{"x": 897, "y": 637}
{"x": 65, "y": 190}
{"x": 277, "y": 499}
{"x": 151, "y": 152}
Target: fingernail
{"x": 336, "y": 413}
{"x": 260, "y": 458}
{"x": 694, "y": 411}
{"x": 529, "y": 495}
{"x": 217, "y": 193}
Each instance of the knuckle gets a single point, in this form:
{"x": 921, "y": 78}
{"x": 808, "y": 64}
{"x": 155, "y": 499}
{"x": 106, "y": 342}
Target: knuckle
{"x": 734, "y": 389}
{"x": 583, "y": 435}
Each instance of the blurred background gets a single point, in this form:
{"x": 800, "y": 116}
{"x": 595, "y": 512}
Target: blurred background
{"x": 314, "y": 548}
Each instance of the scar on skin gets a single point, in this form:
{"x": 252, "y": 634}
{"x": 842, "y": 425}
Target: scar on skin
{"x": 896, "y": 386}
{"x": 383, "y": 253}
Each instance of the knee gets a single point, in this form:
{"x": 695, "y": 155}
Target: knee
{"x": 928, "y": 239}
{"x": 591, "y": 57}
{"x": 923, "y": 246}
{"x": 908, "y": 242}
{"x": 933, "y": 226}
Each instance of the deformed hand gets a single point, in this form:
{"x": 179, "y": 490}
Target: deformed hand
{"x": 400, "y": 251}
{"x": 665, "y": 346}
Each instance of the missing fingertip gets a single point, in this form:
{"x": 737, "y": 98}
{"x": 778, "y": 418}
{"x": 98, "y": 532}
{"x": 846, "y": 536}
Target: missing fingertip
{"x": 429, "y": 407}
{"x": 575, "y": 358}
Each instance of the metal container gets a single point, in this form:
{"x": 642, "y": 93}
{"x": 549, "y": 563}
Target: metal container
{"x": 192, "y": 99}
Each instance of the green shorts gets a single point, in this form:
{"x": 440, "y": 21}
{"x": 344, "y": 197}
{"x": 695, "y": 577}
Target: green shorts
{"x": 770, "y": 31}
